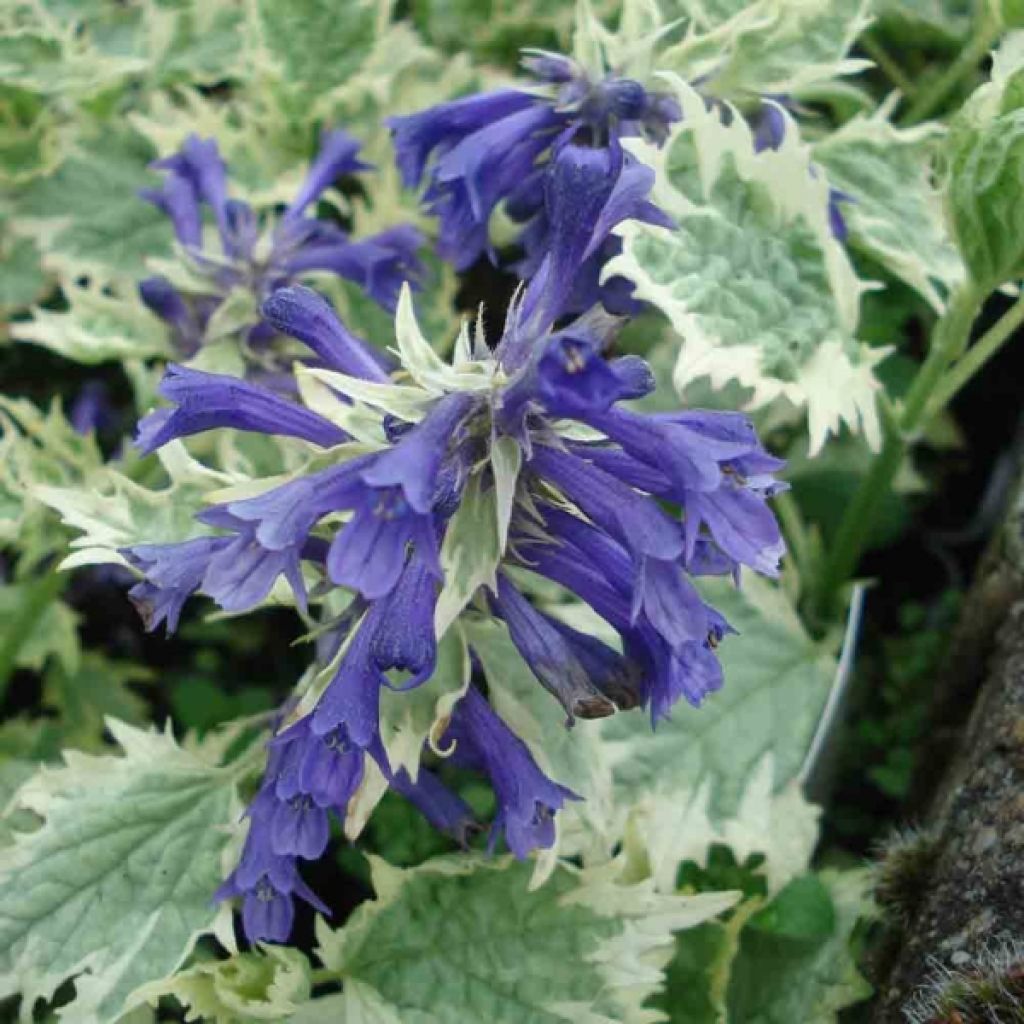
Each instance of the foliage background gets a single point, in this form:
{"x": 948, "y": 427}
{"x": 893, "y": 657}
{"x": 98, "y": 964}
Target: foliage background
{"x": 717, "y": 799}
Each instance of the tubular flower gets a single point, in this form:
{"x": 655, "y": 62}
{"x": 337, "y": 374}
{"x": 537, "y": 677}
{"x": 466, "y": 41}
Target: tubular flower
{"x": 259, "y": 259}
{"x": 502, "y": 147}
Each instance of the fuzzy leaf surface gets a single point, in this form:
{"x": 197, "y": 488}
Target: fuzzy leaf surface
{"x": 116, "y": 883}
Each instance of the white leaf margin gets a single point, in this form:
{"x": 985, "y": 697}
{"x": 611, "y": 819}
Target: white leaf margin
{"x": 834, "y": 389}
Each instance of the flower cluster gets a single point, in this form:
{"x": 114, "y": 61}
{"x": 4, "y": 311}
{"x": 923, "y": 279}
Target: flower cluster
{"x": 258, "y": 261}
{"x": 502, "y": 147}
{"x": 620, "y": 507}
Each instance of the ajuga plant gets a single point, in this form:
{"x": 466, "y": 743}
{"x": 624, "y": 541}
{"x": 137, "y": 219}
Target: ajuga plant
{"x": 562, "y": 676}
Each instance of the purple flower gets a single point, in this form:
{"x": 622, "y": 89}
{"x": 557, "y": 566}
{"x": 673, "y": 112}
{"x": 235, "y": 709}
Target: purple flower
{"x": 199, "y": 168}
{"x": 196, "y": 178}
{"x": 587, "y": 192}
{"x": 551, "y": 655}
{"x": 267, "y": 885}
{"x": 659, "y": 668}
{"x": 352, "y": 698}
{"x": 446, "y": 811}
{"x": 626, "y": 515}
{"x": 91, "y": 409}
{"x": 527, "y": 798}
{"x": 706, "y": 458}
{"x": 307, "y": 777}
{"x": 338, "y": 157}
{"x": 415, "y": 462}
{"x": 172, "y": 573}
{"x": 405, "y": 638}
{"x": 502, "y": 146}
{"x": 303, "y": 314}
{"x": 207, "y": 401}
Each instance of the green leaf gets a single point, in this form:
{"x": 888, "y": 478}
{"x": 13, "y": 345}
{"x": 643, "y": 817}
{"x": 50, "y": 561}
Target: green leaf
{"x": 896, "y": 215}
{"x": 729, "y": 771}
{"x": 764, "y": 48}
{"x": 266, "y": 985}
{"x": 23, "y": 279}
{"x": 95, "y": 689}
{"x": 97, "y": 327}
{"x": 13, "y": 775}
{"x": 315, "y": 47}
{"x": 577, "y": 949}
{"x": 115, "y": 512}
{"x": 54, "y": 66}
{"x": 986, "y": 170}
{"x": 791, "y": 974}
{"x": 499, "y": 29}
{"x": 50, "y": 633}
{"x": 38, "y": 449}
{"x": 802, "y": 910}
{"x": 776, "y": 682}
{"x": 688, "y": 997}
{"x": 470, "y": 551}
{"x": 751, "y": 278}
{"x": 90, "y": 218}
{"x": 925, "y": 21}
{"x": 114, "y": 887}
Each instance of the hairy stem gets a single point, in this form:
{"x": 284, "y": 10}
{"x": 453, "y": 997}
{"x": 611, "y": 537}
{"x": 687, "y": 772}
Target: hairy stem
{"x": 949, "y": 338}
{"x": 890, "y": 68}
{"x": 795, "y": 530}
{"x": 929, "y": 99}
{"x": 975, "y": 358}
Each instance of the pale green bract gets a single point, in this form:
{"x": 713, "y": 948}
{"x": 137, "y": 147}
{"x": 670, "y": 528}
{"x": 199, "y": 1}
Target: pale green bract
{"x": 413, "y": 719}
{"x": 751, "y": 279}
{"x": 582, "y": 948}
{"x": 114, "y": 887}
{"x": 470, "y": 552}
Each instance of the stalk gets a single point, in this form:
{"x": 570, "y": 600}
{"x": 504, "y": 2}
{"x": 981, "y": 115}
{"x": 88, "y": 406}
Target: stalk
{"x": 949, "y": 339}
{"x": 928, "y": 100}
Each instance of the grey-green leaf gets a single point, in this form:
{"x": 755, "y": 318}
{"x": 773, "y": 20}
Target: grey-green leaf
{"x": 115, "y": 886}
{"x": 776, "y": 682}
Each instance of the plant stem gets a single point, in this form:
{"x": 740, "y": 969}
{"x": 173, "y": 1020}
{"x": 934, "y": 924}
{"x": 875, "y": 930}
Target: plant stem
{"x": 18, "y": 629}
{"x": 975, "y": 358}
{"x": 949, "y": 339}
{"x": 795, "y": 530}
{"x": 881, "y": 56}
{"x": 970, "y": 57}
